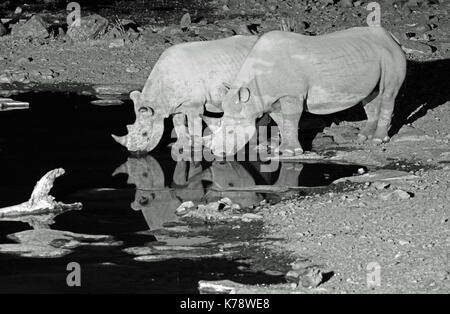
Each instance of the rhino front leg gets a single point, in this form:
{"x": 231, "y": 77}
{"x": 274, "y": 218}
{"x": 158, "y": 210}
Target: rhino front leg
{"x": 195, "y": 127}
{"x": 183, "y": 138}
{"x": 287, "y": 120}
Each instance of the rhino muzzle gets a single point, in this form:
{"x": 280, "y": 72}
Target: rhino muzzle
{"x": 143, "y": 136}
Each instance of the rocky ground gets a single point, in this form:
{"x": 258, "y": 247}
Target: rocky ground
{"x": 401, "y": 225}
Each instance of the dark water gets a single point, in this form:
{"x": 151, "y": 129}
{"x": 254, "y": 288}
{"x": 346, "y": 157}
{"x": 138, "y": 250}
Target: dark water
{"x": 133, "y": 200}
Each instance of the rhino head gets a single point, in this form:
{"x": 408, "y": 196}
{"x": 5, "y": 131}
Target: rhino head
{"x": 146, "y": 132}
{"x": 238, "y": 124}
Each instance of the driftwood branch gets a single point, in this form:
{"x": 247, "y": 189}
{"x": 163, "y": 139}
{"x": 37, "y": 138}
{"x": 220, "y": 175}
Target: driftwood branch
{"x": 40, "y": 201}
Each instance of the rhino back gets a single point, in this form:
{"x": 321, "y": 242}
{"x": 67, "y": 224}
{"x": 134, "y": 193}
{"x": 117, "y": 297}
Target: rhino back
{"x": 215, "y": 63}
{"x": 335, "y": 71}
{"x": 195, "y": 70}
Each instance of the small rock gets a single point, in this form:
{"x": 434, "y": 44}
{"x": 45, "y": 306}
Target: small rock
{"x": 226, "y": 201}
{"x": 312, "y": 278}
{"x": 248, "y": 217}
{"x": 347, "y": 3}
{"x": 402, "y": 194}
{"x": 302, "y": 264}
{"x": 202, "y": 22}
{"x": 327, "y": 2}
{"x": 412, "y": 4}
{"x": 292, "y": 276}
{"x": 415, "y": 47}
{"x": 398, "y": 194}
{"x": 128, "y": 23}
{"x": 23, "y": 60}
{"x": 385, "y": 196}
{"x": 5, "y": 78}
{"x": 403, "y": 242}
{"x": 273, "y": 272}
{"x": 235, "y": 207}
{"x": 184, "y": 208}
{"x": 132, "y": 69}
{"x": 379, "y": 185}
{"x": 117, "y": 43}
{"x": 185, "y": 22}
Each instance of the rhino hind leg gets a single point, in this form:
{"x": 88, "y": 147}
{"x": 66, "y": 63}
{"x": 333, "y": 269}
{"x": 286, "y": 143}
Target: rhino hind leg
{"x": 372, "y": 108}
{"x": 288, "y": 119}
{"x": 392, "y": 79}
{"x": 384, "y": 121}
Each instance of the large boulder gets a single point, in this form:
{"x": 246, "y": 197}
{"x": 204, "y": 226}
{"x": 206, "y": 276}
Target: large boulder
{"x": 35, "y": 27}
{"x": 91, "y": 27}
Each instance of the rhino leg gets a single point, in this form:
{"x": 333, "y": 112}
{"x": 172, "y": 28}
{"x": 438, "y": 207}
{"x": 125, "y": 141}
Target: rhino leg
{"x": 287, "y": 120}
{"x": 384, "y": 121}
{"x": 394, "y": 75}
{"x": 195, "y": 127}
{"x": 372, "y": 109}
{"x": 183, "y": 138}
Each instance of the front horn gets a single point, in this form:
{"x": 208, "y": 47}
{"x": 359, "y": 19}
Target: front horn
{"x": 122, "y": 140}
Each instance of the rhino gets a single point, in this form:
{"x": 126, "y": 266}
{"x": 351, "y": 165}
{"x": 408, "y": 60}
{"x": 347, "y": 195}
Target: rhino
{"x": 186, "y": 79}
{"x": 288, "y": 73}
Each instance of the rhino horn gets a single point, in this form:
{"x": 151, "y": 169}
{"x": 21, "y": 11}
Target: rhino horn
{"x": 122, "y": 140}
{"x": 207, "y": 141}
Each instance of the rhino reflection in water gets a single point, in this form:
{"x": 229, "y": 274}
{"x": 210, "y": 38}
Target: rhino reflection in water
{"x": 191, "y": 182}
{"x": 152, "y": 198}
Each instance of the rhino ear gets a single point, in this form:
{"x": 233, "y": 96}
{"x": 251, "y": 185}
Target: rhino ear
{"x": 244, "y": 94}
{"x": 135, "y": 96}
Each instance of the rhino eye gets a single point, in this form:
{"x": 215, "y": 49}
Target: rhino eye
{"x": 143, "y": 200}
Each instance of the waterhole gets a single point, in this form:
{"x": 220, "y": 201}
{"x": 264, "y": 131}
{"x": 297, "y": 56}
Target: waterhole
{"x": 127, "y": 237}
